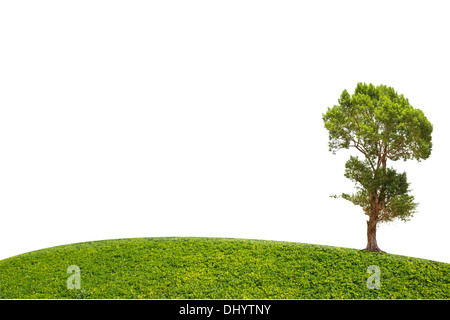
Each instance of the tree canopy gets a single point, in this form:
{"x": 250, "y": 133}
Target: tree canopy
{"x": 380, "y": 123}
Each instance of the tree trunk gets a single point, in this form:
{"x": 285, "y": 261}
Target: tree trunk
{"x": 372, "y": 235}
{"x": 372, "y": 225}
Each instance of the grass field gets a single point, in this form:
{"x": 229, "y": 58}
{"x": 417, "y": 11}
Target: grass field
{"x": 213, "y": 268}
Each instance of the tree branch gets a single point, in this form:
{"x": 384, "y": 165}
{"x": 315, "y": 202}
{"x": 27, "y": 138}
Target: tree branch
{"x": 363, "y": 150}
{"x": 398, "y": 154}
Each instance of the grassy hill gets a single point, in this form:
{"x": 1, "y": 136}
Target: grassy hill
{"x": 213, "y": 268}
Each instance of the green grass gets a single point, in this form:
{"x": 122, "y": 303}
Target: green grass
{"x": 215, "y": 268}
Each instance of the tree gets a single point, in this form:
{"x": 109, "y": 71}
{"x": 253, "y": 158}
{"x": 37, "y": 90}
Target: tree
{"x": 382, "y": 125}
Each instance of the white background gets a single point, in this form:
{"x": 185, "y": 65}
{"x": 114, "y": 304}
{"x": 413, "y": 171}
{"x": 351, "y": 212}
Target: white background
{"x": 127, "y": 119}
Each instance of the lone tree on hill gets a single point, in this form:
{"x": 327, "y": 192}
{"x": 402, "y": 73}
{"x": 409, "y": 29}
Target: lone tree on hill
{"x": 382, "y": 125}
